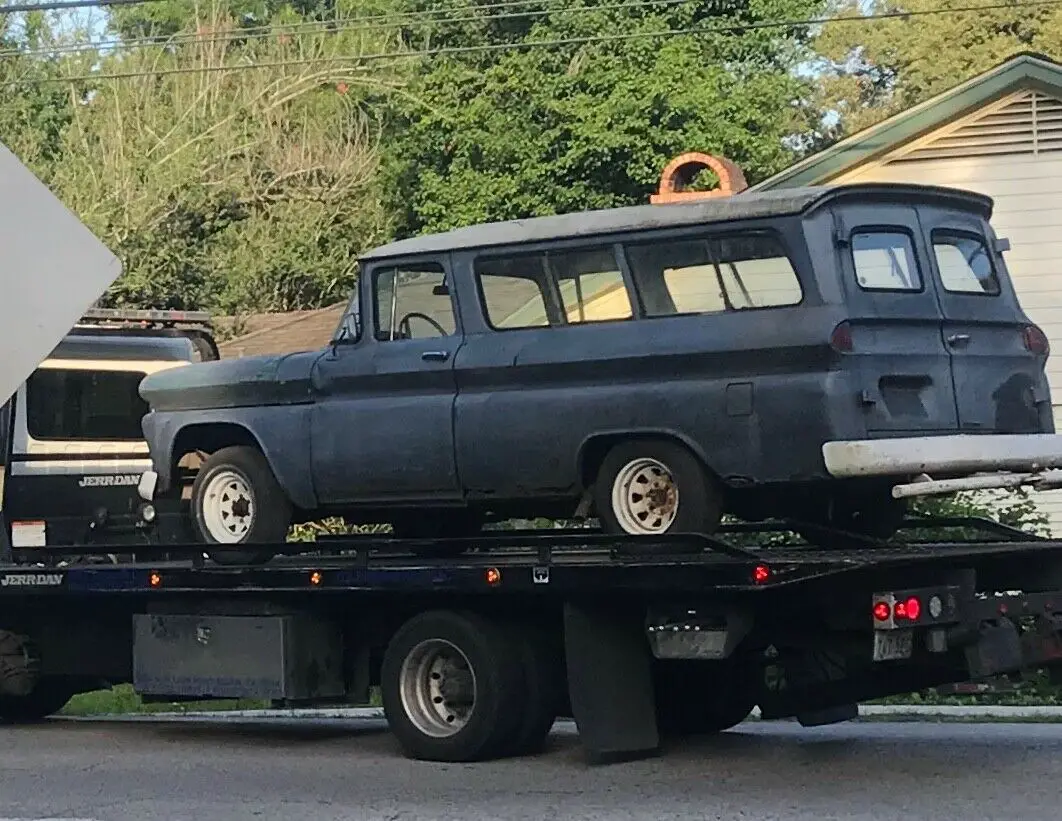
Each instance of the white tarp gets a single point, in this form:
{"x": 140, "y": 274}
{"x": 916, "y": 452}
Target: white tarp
{"x": 53, "y": 269}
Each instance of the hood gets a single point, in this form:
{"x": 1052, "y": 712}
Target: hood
{"x": 231, "y": 383}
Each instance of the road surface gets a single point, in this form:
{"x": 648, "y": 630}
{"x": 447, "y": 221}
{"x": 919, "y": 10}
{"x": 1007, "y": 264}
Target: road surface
{"x": 350, "y": 769}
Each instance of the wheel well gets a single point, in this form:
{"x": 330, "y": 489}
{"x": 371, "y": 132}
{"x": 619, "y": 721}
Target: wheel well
{"x": 597, "y": 447}
{"x": 209, "y": 438}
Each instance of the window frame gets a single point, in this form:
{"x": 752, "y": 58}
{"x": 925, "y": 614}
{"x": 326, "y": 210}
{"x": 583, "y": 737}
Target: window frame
{"x": 713, "y": 239}
{"x": 553, "y": 299}
{"x": 354, "y": 299}
{"x": 902, "y": 230}
{"x": 34, "y": 436}
{"x": 972, "y": 235}
{"x": 413, "y": 264}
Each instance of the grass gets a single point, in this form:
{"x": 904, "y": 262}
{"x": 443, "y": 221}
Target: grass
{"x": 121, "y": 700}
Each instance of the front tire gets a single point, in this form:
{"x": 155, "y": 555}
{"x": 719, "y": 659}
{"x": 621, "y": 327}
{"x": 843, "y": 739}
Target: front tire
{"x": 236, "y": 500}
{"x": 652, "y": 487}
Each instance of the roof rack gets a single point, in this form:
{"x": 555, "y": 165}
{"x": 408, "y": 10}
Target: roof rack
{"x": 144, "y": 318}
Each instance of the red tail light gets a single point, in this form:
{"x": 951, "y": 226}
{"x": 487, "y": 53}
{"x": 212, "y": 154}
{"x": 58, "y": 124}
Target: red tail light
{"x": 1035, "y": 340}
{"x": 841, "y": 338}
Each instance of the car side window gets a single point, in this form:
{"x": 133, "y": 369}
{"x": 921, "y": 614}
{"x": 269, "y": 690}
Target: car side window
{"x": 65, "y": 404}
{"x": 412, "y": 302}
{"x": 964, "y": 264}
{"x": 553, "y": 288}
{"x": 885, "y": 261}
{"x": 706, "y": 275}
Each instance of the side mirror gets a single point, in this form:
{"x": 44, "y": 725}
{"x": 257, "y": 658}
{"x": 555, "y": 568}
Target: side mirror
{"x": 442, "y": 289}
{"x": 1002, "y": 244}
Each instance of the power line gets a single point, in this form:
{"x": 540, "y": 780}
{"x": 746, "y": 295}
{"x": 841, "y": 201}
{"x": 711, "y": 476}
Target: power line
{"x": 568, "y": 41}
{"x": 59, "y": 5}
{"x": 312, "y": 27}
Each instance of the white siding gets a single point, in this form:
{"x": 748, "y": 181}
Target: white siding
{"x": 1013, "y": 153}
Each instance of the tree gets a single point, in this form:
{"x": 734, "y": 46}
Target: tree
{"x": 228, "y": 187}
{"x": 542, "y": 125}
{"x": 873, "y": 69}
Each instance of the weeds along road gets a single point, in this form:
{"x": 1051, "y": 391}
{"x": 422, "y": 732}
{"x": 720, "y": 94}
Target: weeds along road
{"x": 351, "y": 769}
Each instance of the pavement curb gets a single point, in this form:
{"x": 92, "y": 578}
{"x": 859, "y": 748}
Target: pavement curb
{"x": 897, "y": 711}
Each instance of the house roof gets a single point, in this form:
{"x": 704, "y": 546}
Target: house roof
{"x": 1032, "y": 71}
{"x": 279, "y": 333}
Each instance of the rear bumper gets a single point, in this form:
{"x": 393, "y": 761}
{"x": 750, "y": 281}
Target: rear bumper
{"x": 957, "y": 455}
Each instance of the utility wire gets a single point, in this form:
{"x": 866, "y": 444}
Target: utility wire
{"x": 313, "y": 27}
{"x": 59, "y": 5}
{"x": 568, "y": 41}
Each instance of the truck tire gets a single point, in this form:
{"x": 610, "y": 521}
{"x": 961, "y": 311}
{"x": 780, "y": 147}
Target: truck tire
{"x": 452, "y": 687}
{"x": 49, "y": 696}
{"x": 704, "y": 697}
{"x": 649, "y": 487}
{"x": 544, "y": 683}
{"x": 237, "y": 500}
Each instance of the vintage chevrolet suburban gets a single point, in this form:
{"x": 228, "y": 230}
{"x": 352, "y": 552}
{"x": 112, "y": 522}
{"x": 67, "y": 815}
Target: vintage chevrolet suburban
{"x": 797, "y": 354}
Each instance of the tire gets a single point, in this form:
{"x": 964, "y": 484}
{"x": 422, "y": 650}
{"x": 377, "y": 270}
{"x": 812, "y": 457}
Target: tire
{"x": 691, "y": 503}
{"x": 48, "y": 697}
{"x": 244, "y": 471}
{"x": 704, "y": 697}
{"x": 544, "y": 683}
{"x": 489, "y": 726}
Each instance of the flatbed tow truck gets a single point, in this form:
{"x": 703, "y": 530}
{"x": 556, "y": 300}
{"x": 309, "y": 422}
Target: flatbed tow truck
{"x": 477, "y": 654}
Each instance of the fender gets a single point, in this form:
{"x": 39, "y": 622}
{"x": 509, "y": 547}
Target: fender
{"x": 281, "y": 431}
{"x": 633, "y": 433}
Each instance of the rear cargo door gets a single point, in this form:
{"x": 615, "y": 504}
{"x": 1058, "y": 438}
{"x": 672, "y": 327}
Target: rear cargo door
{"x": 999, "y": 382}
{"x": 895, "y": 317}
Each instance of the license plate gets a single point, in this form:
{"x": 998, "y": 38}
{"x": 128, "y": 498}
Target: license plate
{"x": 893, "y": 644}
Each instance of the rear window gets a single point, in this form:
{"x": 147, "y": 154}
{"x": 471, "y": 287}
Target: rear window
{"x": 885, "y": 261}
{"x": 556, "y": 288}
{"x": 964, "y": 264}
{"x": 713, "y": 275}
{"x": 83, "y": 404}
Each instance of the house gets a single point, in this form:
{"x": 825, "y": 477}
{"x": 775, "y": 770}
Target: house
{"x": 999, "y": 134}
{"x": 278, "y": 333}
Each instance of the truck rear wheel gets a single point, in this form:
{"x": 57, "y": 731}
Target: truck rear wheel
{"x": 49, "y": 696}
{"x": 453, "y": 687}
{"x": 649, "y": 487}
{"x": 236, "y": 500}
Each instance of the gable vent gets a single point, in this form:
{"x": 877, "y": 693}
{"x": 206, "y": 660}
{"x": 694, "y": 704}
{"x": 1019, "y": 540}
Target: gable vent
{"x": 1030, "y": 124}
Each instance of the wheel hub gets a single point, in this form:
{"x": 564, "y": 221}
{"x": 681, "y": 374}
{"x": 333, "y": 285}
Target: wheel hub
{"x": 438, "y": 688}
{"x": 228, "y": 507}
{"x": 645, "y": 497}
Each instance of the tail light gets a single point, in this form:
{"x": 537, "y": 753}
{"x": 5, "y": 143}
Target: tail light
{"x": 841, "y": 338}
{"x": 1035, "y": 340}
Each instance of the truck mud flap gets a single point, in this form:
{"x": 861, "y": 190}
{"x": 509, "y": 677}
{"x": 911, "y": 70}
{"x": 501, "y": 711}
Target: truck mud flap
{"x": 610, "y": 683}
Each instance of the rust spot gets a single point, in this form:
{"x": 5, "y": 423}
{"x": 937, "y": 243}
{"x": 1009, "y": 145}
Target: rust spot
{"x": 681, "y": 170}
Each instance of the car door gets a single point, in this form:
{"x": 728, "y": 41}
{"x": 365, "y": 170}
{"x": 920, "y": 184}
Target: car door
{"x": 903, "y": 367}
{"x": 995, "y": 363}
{"x": 382, "y": 423}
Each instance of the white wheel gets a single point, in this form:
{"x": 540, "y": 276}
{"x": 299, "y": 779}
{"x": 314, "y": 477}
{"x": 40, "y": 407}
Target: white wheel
{"x": 437, "y": 686}
{"x": 645, "y": 497}
{"x": 228, "y": 507}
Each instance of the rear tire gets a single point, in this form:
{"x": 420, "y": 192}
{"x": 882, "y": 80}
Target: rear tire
{"x": 544, "y": 682}
{"x": 453, "y": 687}
{"x": 650, "y": 487}
{"x": 48, "y": 697}
{"x": 236, "y": 500}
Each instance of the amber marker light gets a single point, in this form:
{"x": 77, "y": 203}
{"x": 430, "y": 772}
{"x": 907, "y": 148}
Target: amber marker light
{"x": 155, "y": 580}
{"x": 493, "y": 576}
{"x": 315, "y": 578}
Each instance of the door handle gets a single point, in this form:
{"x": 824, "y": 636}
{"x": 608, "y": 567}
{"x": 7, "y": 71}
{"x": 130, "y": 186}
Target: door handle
{"x": 435, "y": 356}
{"x": 958, "y": 339}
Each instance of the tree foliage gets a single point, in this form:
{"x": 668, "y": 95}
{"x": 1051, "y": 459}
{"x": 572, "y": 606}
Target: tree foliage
{"x": 559, "y": 116}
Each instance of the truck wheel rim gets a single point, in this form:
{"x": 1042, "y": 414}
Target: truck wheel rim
{"x": 228, "y": 507}
{"x": 645, "y": 497}
{"x": 438, "y": 688}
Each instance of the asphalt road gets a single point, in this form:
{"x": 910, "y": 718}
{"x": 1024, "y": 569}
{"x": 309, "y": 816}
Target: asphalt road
{"x": 339, "y": 770}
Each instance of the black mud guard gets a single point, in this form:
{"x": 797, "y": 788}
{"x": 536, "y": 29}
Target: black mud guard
{"x": 610, "y": 682}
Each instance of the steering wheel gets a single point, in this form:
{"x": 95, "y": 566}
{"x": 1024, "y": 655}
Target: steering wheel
{"x": 404, "y": 329}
